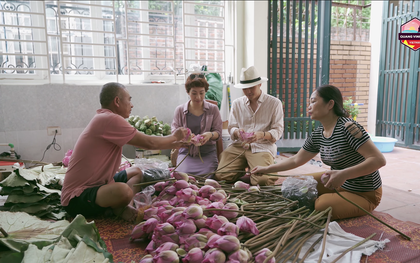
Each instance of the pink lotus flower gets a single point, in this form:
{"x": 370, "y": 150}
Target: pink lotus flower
{"x": 217, "y": 205}
{"x": 180, "y": 176}
{"x": 212, "y": 240}
{"x": 159, "y": 186}
{"x": 215, "y": 222}
{"x": 228, "y": 244}
{"x": 200, "y": 222}
{"x": 194, "y": 212}
{"x": 151, "y": 247}
{"x": 187, "y": 137}
{"x": 196, "y": 139}
{"x": 213, "y": 183}
{"x": 138, "y": 231}
{"x": 150, "y": 225}
{"x": 66, "y": 158}
{"x": 167, "y": 256}
{"x": 207, "y": 232}
{"x": 195, "y": 255}
{"x": 181, "y": 184}
{"x": 239, "y": 256}
{"x": 245, "y": 136}
{"x": 165, "y": 228}
{"x": 192, "y": 179}
{"x": 185, "y": 226}
{"x": 202, "y": 201}
{"x": 167, "y": 246}
{"x": 187, "y": 195}
{"x": 149, "y": 213}
{"x": 146, "y": 259}
{"x": 175, "y": 217}
{"x": 195, "y": 241}
{"x": 218, "y": 197}
{"x": 171, "y": 190}
{"x": 206, "y": 190}
{"x": 230, "y": 206}
{"x": 261, "y": 255}
{"x": 246, "y": 224}
{"x": 214, "y": 255}
{"x": 254, "y": 188}
{"x": 161, "y": 203}
{"x": 228, "y": 229}
{"x": 159, "y": 239}
{"x": 194, "y": 187}
{"x": 240, "y": 186}
{"x": 164, "y": 215}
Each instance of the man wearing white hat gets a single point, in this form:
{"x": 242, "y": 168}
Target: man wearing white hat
{"x": 256, "y": 113}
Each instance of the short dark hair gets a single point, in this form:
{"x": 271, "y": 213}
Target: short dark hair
{"x": 196, "y": 81}
{"x": 108, "y": 93}
{"x": 330, "y": 92}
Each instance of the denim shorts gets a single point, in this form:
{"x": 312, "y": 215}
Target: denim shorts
{"x": 85, "y": 203}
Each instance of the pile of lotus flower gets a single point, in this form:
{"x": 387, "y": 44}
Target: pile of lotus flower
{"x": 213, "y": 223}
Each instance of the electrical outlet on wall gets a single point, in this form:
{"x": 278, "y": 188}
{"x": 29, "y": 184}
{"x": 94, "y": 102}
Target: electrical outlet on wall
{"x": 51, "y": 130}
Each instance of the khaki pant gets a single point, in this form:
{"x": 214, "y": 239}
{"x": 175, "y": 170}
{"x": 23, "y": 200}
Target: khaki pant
{"x": 341, "y": 208}
{"x": 248, "y": 159}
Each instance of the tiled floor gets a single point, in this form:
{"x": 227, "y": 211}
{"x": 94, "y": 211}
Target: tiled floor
{"x": 401, "y": 183}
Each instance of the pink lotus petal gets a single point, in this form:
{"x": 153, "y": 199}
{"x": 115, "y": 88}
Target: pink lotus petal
{"x": 150, "y": 225}
{"x": 213, "y": 183}
{"x": 246, "y": 224}
{"x": 150, "y": 212}
{"x": 200, "y": 222}
{"x": 228, "y": 229}
{"x": 217, "y": 205}
{"x": 261, "y": 255}
{"x": 181, "y": 184}
{"x": 187, "y": 195}
{"x": 175, "y": 217}
{"x": 194, "y": 212}
{"x": 230, "y": 206}
{"x": 151, "y": 248}
{"x": 245, "y": 136}
{"x": 206, "y": 190}
{"x": 240, "y": 186}
{"x": 239, "y": 256}
{"x": 214, "y": 255}
{"x": 212, "y": 240}
{"x": 195, "y": 241}
{"x": 167, "y": 246}
{"x": 218, "y": 197}
{"x": 160, "y": 186}
{"x": 195, "y": 255}
{"x": 215, "y": 222}
{"x": 228, "y": 244}
{"x": 167, "y": 256}
{"x": 185, "y": 226}
{"x": 180, "y": 176}
{"x": 138, "y": 231}
{"x": 196, "y": 139}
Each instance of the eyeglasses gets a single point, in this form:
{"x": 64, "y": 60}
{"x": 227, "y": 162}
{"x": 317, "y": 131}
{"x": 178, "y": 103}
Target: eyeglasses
{"x": 194, "y": 76}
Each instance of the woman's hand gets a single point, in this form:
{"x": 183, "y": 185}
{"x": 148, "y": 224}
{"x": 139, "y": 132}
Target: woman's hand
{"x": 259, "y": 170}
{"x": 206, "y": 137}
{"x": 336, "y": 179}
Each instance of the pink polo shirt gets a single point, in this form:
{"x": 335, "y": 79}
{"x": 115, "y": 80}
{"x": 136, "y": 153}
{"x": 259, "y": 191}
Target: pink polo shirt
{"x": 97, "y": 154}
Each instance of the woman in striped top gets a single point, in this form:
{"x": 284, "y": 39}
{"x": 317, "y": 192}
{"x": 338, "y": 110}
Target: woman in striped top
{"x": 345, "y": 146}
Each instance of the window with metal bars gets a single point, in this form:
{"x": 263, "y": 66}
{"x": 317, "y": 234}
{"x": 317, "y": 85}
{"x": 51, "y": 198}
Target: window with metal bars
{"x": 124, "y": 41}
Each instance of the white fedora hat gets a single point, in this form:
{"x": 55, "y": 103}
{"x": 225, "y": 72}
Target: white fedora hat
{"x": 250, "y": 78}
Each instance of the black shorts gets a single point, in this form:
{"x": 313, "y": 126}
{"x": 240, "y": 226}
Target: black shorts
{"x": 85, "y": 203}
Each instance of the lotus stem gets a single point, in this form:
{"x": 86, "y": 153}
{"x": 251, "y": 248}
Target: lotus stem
{"x": 364, "y": 210}
{"x": 325, "y": 236}
{"x": 3, "y": 232}
{"x": 153, "y": 182}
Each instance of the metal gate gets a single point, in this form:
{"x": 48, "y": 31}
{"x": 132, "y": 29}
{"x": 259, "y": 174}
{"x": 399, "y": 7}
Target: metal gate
{"x": 299, "y": 51}
{"x": 398, "y": 112}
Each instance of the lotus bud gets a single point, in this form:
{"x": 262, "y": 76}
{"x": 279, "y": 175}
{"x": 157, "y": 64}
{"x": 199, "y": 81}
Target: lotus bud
{"x": 239, "y": 256}
{"x": 160, "y": 186}
{"x": 215, "y": 222}
{"x": 150, "y": 225}
{"x": 228, "y": 229}
{"x": 165, "y": 228}
{"x": 151, "y": 248}
{"x": 195, "y": 255}
{"x": 167, "y": 246}
{"x": 217, "y": 205}
{"x": 212, "y": 241}
{"x": 160, "y": 239}
{"x": 202, "y": 201}
{"x": 207, "y": 232}
{"x": 174, "y": 201}
{"x": 195, "y": 240}
{"x": 187, "y": 195}
{"x": 254, "y": 188}
{"x": 206, "y": 191}
{"x": 192, "y": 179}
{"x": 200, "y": 222}
{"x": 167, "y": 256}
{"x": 138, "y": 232}
{"x": 230, "y": 206}
{"x": 165, "y": 215}
{"x": 185, "y": 226}
{"x": 180, "y": 176}
{"x": 175, "y": 217}
{"x": 261, "y": 255}
{"x": 214, "y": 256}
{"x": 171, "y": 190}
{"x": 228, "y": 244}
{"x": 181, "y": 252}
{"x": 194, "y": 187}
{"x": 240, "y": 186}
{"x": 223, "y": 192}
{"x": 150, "y": 212}
{"x": 181, "y": 184}
{"x": 212, "y": 182}
{"x": 217, "y": 197}
{"x": 246, "y": 224}
{"x": 146, "y": 259}
{"x": 193, "y": 212}
{"x": 178, "y": 209}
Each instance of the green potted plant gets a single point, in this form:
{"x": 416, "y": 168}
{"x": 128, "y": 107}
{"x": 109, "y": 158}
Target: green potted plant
{"x": 352, "y": 109}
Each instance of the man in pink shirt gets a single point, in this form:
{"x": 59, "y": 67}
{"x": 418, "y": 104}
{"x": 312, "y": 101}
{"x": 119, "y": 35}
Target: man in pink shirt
{"x": 92, "y": 184}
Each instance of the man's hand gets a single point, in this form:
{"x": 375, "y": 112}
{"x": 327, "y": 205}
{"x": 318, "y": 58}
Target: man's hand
{"x": 257, "y": 136}
{"x": 259, "y": 170}
{"x": 180, "y": 133}
{"x": 237, "y": 133}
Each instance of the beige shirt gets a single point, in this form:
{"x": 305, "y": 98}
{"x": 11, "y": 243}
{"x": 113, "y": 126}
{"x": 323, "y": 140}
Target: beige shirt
{"x": 267, "y": 118}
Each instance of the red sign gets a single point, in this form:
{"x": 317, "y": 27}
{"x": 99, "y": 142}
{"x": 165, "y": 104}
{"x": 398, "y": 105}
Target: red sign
{"x": 410, "y": 34}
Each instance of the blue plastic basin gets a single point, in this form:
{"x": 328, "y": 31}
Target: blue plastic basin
{"x": 384, "y": 144}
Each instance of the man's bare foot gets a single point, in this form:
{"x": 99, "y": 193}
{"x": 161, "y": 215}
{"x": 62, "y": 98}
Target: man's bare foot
{"x": 128, "y": 213}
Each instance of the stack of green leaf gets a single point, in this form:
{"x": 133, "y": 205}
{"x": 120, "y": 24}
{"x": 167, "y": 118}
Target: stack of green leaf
{"x": 150, "y": 126}
{"x": 25, "y": 194}
{"x": 33, "y": 240}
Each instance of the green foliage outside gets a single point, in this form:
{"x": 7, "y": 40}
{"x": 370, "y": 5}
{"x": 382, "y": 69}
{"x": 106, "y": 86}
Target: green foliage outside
{"x": 353, "y": 110}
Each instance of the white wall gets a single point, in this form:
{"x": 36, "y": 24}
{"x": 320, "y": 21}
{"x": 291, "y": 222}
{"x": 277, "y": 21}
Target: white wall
{"x": 375, "y": 39}
{"x": 26, "y": 111}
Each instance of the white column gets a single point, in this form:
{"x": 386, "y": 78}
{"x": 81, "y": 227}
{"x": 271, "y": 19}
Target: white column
{"x": 375, "y": 40}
